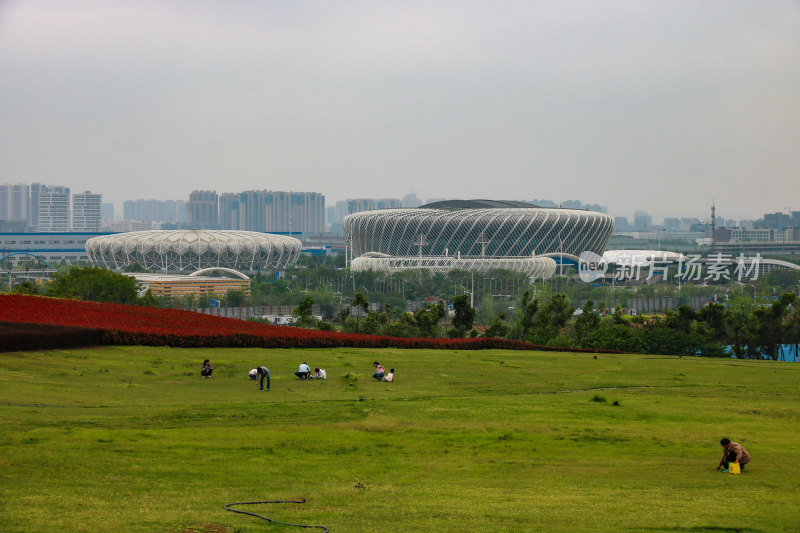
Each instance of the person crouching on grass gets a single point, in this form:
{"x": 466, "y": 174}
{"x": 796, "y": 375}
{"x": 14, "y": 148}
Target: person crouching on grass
{"x": 733, "y": 452}
{"x": 379, "y": 371}
{"x": 207, "y": 369}
{"x": 303, "y": 371}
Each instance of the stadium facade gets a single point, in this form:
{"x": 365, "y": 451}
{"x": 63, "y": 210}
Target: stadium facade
{"x": 192, "y": 250}
{"x": 478, "y": 230}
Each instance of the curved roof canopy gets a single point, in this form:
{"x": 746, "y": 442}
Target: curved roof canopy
{"x": 190, "y": 250}
{"x": 475, "y": 204}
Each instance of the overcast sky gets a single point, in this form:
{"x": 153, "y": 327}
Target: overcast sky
{"x": 661, "y": 106}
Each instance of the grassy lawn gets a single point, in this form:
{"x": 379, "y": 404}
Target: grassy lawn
{"x": 131, "y": 439}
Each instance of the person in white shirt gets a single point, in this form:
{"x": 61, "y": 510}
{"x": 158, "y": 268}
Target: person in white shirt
{"x": 303, "y": 371}
{"x": 319, "y": 374}
{"x": 389, "y": 376}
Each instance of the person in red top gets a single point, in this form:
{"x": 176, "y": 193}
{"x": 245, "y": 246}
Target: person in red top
{"x": 379, "y": 371}
{"x": 733, "y": 452}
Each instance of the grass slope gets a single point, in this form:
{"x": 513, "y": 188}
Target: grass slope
{"x": 131, "y": 439}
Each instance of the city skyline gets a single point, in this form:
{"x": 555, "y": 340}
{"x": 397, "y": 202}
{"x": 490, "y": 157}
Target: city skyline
{"x": 661, "y": 106}
{"x": 349, "y": 205}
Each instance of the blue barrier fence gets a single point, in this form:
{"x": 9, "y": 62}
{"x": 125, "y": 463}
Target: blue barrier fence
{"x": 786, "y": 352}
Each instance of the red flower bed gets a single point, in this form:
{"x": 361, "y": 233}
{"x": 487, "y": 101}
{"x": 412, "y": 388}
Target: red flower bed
{"x": 151, "y": 326}
{"x": 16, "y": 336}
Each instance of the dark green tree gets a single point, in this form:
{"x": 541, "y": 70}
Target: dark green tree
{"x": 586, "y": 322}
{"x": 361, "y": 303}
{"x": 26, "y": 287}
{"x": 303, "y": 313}
{"x": 235, "y": 298}
{"x": 772, "y": 322}
{"x": 741, "y": 326}
{"x": 714, "y": 317}
{"x": 527, "y": 314}
{"x": 463, "y": 314}
{"x": 405, "y": 326}
{"x": 97, "y": 284}
{"x": 498, "y": 328}
{"x": 427, "y": 319}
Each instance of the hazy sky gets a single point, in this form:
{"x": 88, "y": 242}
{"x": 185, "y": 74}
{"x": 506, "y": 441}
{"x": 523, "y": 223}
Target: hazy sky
{"x": 661, "y": 106}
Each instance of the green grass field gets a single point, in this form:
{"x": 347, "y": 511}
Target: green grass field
{"x": 131, "y": 439}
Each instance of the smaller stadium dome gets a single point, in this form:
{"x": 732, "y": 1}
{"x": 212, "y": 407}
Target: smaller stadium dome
{"x": 194, "y": 249}
{"x": 641, "y": 257}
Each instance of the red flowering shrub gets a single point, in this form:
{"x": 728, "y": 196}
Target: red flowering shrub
{"x": 150, "y": 326}
{"x": 16, "y": 336}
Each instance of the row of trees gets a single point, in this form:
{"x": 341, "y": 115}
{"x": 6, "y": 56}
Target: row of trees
{"x": 739, "y": 326}
{"x": 717, "y": 330}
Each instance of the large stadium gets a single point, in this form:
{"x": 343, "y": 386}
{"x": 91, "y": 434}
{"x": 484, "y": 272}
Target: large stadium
{"x": 192, "y": 250}
{"x": 476, "y": 235}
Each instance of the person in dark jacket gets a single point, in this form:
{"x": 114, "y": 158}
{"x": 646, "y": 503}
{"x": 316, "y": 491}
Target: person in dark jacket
{"x": 262, "y": 372}
{"x": 207, "y": 369}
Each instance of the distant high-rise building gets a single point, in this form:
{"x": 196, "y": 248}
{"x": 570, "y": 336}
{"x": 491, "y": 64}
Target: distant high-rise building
{"x": 341, "y": 210}
{"x": 202, "y": 210}
{"x": 86, "y": 211}
{"x": 295, "y": 212}
{"x": 411, "y": 200}
{"x": 154, "y": 210}
{"x": 108, "y": 211}
{"x": 273, "y": 211}
{"x": 33, "y": 203}
{"x": 544, "y": 203}
{"x": 54, "y": 210}
{"x": 180, "y": 212}
{"x": 253, "y": 210}
{"x": 229, "y": 211}
{"x": 356, "y": 205}
{"x": 390, "y": 203}
{"x": 775, "y": 220}
{"x": 597, "y": 208}
{"x": 14, "y": 202}
{"x": 642, "y": 221}
{"x": 620, "y": 224}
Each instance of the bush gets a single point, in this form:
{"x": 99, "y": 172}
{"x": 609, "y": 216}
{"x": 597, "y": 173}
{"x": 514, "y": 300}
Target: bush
{"x": 321, "y": 325}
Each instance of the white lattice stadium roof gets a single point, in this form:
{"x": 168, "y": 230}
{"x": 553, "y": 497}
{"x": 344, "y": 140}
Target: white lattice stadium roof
{"x": 476, "y": 228}
{"x": 194, "y": 249}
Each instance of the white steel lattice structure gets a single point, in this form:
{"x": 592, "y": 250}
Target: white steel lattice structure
{"x": 533, "y": 267}
{"x": 190, "y": 250}
{"x": 478, "y": 228}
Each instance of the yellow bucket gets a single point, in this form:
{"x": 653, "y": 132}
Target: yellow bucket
{"x": 734, "y": 468}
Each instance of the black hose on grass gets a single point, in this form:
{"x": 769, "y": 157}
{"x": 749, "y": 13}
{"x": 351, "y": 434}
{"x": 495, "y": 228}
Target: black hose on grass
{"x": 227, "y": 507}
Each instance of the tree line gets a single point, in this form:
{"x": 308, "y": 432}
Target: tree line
{"x": 739, "y": 328}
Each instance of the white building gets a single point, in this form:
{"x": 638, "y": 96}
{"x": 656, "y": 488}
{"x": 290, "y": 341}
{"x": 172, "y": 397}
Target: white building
{"x": 87, "y": 211}
{"x": 14, "y": 201}
{"x": 54, "y": 210}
